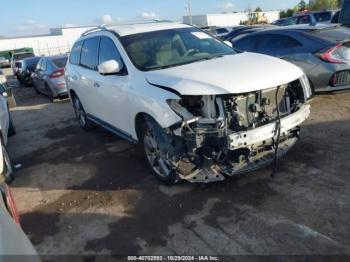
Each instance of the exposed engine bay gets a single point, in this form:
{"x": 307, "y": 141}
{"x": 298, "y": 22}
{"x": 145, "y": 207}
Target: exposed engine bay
{"x": 226, "y": 135}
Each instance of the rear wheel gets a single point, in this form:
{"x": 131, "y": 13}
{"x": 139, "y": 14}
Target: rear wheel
{"x": 50, "y": 94}
{"x": 157, "y": 159}
{"x": 80, "y": 114}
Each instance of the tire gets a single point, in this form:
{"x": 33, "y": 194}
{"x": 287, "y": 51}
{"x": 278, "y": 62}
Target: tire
{"x": 50, "y": 94}
{"x": 7, "y": 174}
{"x": 154, "y": 156}
{"x": 12, "y": 130}
{"x": 80, "y": 114}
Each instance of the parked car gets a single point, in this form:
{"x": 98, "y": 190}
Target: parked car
{"x": 321, "y": 51}
{"x": 219, "y": 32}
{"x": 284, "y": 21}
{"x": 17, "y": 57}
{"x": 6, "y": 129}
{"x": 48, "y": 77}
{"x": 245, "y": 29}
{"x": 323, "y": 17}
{"x": 14, "y": 244}
{"x": 4, "y": 62}
{"x": 201, "y": 111}
{"x": 25, "y": 69}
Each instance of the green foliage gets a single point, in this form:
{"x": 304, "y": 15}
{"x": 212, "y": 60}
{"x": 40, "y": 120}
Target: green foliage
{"x": 287, "y": 13}
{"x": 316, "y": 5}
{"x": 258, "y": 9}
{"x": 302, "y": 5}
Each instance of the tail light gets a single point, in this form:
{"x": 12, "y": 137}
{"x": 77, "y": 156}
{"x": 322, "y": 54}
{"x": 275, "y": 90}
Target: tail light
{"x": 331, "y": 55}
{"x": 57, "y": 73}
{"x": 11, "y": 204}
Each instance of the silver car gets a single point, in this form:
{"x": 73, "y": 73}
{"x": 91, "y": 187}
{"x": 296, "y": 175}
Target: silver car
{"x": 48, "y": 77}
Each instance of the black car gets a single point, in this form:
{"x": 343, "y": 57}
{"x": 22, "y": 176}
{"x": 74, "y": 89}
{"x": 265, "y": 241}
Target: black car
{"x": 240, "y": 30}
{"x": 25, "y": 68}
{"x": 322, "y": 51}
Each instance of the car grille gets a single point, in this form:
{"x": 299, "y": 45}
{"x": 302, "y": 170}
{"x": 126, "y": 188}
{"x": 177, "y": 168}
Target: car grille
{"x": 341, "y": 78}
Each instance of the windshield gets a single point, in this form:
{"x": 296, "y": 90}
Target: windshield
{"x": 322, "y": 17}
{"x": 173, "y": 47}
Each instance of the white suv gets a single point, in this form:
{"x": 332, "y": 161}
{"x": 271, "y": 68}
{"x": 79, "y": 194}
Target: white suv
{"x": 200, "y": 110}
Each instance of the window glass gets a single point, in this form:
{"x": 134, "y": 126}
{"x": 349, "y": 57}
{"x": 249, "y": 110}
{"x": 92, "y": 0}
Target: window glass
{"x": 246, "y": 44}
{"x": 108, "y": 51}
{"x": 43, "y": 65}
{"x": 305, "y": 19}
{"x": 173, "y": 47}
{"x": 60, "y": 62}
{"x": 75, "y": 53}
{"x": 89, "y": 53}
{"x": 270, "y": 43}
{"x": 38, "y": 66}
{"x": 321, "y": 17}
{"x": 221, "y": 30}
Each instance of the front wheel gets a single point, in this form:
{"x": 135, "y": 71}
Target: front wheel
{"x": 80, "y": 114}
{"x": 156, "y": 157}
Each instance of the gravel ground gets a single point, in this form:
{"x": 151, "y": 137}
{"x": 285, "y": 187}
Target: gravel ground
{"x": 91, "y": 192}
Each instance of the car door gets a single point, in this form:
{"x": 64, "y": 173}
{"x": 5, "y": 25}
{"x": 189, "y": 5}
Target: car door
{"x": 35, "y": 74}
{"x": 40, "y": 76}
{"x": 111, "y": 90}
{"x": 87, "y": 75}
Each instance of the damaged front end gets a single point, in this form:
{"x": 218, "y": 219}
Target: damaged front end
{"x": 226, "y": 135}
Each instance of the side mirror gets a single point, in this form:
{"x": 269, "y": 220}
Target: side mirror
{"x": 228, "y": 43}
{"x": 109, "y": 67}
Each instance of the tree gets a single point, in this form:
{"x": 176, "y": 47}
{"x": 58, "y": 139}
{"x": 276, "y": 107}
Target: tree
{"x": 302, "y": 5}
{"x": 324, "y": 4}
{"x": 287, "y": 13}
{"x": 258, "y": 9}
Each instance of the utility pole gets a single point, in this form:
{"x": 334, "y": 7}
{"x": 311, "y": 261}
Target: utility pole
{"x": 190, "y": 11}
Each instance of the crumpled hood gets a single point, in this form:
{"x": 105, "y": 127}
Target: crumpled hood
{"x": 231, "y": 74}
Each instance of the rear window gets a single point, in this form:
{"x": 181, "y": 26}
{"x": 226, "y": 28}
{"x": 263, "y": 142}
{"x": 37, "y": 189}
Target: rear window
{"x": 268, "y": 43}
{"x": 60, "y": 62}
{"x": 221, "y": 31}
{"x": 339, "y": 34}
{"x": 22, "y": 56}
{"x": 322, "y": 17}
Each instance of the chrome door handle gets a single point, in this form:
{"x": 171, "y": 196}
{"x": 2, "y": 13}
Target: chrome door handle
{"x": 97, "y": 85}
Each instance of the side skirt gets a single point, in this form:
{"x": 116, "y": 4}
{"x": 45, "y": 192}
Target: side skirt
{"x": 112, "y": 129}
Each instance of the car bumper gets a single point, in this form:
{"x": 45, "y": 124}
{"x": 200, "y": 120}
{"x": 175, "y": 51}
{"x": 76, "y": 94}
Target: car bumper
{"x": 262, "y": 139}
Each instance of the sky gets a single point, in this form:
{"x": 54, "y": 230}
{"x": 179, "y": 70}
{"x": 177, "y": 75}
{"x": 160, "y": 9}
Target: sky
{"x": 23, "y": 17}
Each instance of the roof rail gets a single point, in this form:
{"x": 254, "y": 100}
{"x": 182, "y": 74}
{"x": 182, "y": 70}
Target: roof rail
{"x": 95, "y": 29}
{"x": 103, "y": 27}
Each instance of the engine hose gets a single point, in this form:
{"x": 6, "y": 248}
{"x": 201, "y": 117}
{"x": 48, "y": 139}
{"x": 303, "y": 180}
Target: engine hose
{"x": 277, "y": 140}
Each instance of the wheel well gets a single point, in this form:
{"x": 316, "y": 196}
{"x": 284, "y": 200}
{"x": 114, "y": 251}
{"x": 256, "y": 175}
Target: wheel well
{"x": 72, "y": 94}
{"x": 140, "y": 119}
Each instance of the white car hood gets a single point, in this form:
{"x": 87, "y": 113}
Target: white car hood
{"x": 231, "y": 74}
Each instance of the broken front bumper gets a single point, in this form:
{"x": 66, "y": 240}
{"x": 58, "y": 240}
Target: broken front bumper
{"x": 251, "y": 139}
{"x": 266, "y": 132}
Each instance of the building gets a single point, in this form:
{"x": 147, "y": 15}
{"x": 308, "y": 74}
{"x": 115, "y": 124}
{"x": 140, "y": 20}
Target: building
{"x": 229, "y": 19}
{"x": 59, "y": 41}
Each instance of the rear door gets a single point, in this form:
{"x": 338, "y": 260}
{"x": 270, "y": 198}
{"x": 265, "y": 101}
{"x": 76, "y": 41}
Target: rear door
{"x": 344, "y": 18}
{"x": 41, "y": 76}
{"x": 88, "y": 74}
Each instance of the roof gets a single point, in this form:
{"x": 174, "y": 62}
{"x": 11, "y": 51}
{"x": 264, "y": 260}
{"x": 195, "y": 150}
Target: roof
{"x": 305, "y": 27}
{"x": 136, "y": 28}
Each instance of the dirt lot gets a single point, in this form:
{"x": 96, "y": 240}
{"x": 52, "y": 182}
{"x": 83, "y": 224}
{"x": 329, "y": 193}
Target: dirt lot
{"x": 91, "y": 193}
